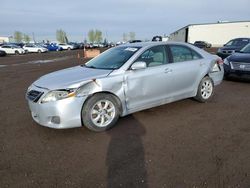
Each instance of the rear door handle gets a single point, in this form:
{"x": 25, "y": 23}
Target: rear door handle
{"x": 168, "y": 70}
{"x": 202, "y": 63}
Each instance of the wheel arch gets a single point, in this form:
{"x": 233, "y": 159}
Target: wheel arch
{"x": 197, "y": 85}
{"x": 121, "y": 106}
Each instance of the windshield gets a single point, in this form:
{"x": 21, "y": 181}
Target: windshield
{"x": 237, "y": 42}
{"x": 246, "y": 49}
{"x": 113, "y": 58}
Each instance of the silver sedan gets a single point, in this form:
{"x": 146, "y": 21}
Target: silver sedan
{"x": 121, "y": 81}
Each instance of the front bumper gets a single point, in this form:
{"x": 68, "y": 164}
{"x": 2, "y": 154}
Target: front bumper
{"x": 230, "y": 72}
{"x": 60, "y": 114}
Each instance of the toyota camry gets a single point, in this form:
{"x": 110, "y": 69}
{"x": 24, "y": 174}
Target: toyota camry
{"x": 123, "y": 80}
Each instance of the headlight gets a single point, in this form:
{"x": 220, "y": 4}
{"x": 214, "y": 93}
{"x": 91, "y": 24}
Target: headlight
{"x": 58, "y": 95}
{"x": 226, "y": 61}
{"x": 86, "y": 89}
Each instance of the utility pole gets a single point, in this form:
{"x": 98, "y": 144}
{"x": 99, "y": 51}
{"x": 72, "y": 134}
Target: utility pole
{"x": 33, "y": 35}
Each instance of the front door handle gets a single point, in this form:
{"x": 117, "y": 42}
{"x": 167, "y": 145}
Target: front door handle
{"x": 168, "y": 70}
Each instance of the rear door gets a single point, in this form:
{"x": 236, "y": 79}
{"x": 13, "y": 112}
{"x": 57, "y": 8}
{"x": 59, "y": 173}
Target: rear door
{"x": 185, "y": 71}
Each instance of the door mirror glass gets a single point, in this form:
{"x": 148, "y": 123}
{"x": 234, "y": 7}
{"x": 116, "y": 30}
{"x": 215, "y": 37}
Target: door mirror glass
{"x": 139, "y": 65}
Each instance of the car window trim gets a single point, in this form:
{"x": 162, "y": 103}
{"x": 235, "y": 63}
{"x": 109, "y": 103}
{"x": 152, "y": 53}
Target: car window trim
{"x": 191, "y": 50}
{"x": 166, "y": 51}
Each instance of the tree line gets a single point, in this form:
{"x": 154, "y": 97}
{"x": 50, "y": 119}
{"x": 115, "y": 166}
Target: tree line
{"x": 94, "y": 36}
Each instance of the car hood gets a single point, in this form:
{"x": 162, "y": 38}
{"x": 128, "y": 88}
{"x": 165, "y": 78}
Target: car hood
{"x": 70, "y": 78}
{"x": 231, "y": 48}
{"x": 240, "y": 57}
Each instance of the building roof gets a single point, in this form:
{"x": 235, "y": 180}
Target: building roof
{"x": 216, "y": 23}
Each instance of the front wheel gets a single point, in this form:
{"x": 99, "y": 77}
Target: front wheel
{"x": 100, "y": 112}
{"x": 205, "y": 90}
{"x": 17, "y": 52}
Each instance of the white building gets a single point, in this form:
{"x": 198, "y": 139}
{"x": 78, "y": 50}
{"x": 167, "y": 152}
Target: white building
{"x": 5, "y": 39}
{"x": 215, "y": 33}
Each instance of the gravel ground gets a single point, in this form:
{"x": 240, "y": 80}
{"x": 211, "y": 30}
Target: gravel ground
{"x": 182, "y": 144}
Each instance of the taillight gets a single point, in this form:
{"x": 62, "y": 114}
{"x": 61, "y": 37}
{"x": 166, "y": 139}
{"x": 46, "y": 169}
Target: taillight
{"x": 219, "y": 61}
{"x": 217, "y": 64}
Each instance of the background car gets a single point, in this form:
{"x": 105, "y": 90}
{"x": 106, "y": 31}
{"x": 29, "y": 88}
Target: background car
{"x": 238, "y": 63}
{"x": 53, "y": 47}
{"x": 121, "y": 81}
{"x": 75, "y": 45}
{"x": 65, "y": 46}
{"x": 202, "y": 44}
{"x": 20, "y": 44}
{"x": 12, "y": 49}
{"x": 34, "y": 48}
{"x": 134, "y": 41}
{"x": 232, "y": 46}
{"x": 2, "y": 53}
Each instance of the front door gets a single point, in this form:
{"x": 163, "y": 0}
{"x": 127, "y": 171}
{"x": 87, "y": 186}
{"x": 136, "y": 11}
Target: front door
{"x": 146, "y": 87}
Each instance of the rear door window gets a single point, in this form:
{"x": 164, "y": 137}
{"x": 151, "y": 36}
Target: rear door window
{"x": 183, "y": 53}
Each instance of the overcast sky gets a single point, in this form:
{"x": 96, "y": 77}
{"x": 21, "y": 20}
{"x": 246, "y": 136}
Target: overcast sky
{"x": 114, "y": 17}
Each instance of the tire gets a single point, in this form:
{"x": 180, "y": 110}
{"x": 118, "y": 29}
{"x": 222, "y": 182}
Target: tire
{"x": 227, "y": 77}
{"x": 98, "y": 109}
{"x": 39, "y": 51}
{"x": 69, "y": 48}
{"x": 205, "y": 90}
{"x": 17, "y": 52}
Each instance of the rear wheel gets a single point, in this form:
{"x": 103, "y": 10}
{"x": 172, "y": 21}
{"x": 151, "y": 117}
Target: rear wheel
{"x": 69, "y": 48}
{"x": 39, "y": 51}
{"x": 205, "y": 90}
{"x": 17, "y": 52}
{"x": 100, "y": 112}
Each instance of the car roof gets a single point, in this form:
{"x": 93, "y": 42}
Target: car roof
{"x": 240, "y": 38}
{"x": 145, "y": 44}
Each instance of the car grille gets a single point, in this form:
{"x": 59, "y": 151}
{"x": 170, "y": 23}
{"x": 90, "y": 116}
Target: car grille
{"x": 240, "y": 66}
{"x": 34, "y": 95}
{"x": 228, "y": 51}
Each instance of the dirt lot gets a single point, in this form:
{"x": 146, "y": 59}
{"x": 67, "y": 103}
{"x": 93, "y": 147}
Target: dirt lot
{"x": 183, "y": 144}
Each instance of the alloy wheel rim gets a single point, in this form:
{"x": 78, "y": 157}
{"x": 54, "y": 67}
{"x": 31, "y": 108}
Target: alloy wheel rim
{"x": 206, "y": 89}
{"x": 102, "y": 113}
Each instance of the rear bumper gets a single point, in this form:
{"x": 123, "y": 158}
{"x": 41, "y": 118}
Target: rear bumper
{"x": 217, "y": 77}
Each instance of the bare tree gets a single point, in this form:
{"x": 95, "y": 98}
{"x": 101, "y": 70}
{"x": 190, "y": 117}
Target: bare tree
{"x": 98, "y": 36}
{"x": 91, "y": 36}
{"x": 61, "y": 36}
{"x": 26, "y": 38}
{"x": 131, "y": 35}
{"x": 124, "y": 37}
{"x": 18, "y": 36}
{"x": 95, "y": 36}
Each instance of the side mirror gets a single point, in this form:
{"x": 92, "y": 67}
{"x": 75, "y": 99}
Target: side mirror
{"x": 139, "y": 65}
